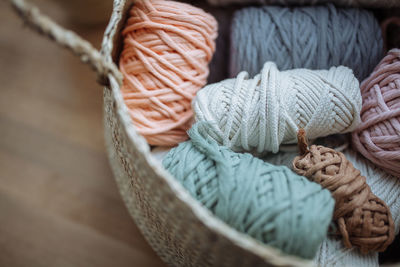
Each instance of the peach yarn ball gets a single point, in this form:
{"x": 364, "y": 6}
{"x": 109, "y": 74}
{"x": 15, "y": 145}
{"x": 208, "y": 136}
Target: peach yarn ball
{"x": 167, "y": 48}
{"x": 378, "y": 135}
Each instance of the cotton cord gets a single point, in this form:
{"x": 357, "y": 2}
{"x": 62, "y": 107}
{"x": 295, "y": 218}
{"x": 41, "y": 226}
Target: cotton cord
{"x": 316, "y": 37}
{"x": 332, "y": 251}
{"x": 270, "y": 203}
{"x": 262, "y": 113}
{"x": 378, "y": 135}
{"x": 167, "y": 46}
{"x": 363, "y": 219}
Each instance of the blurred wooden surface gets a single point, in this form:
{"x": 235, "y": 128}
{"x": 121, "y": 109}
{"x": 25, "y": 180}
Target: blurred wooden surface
{"x": 59, "y": 204}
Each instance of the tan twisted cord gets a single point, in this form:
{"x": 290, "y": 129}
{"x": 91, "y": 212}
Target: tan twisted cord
{"x": 87, "y": 53}
{"x": 363, "y": 219}
{"x": 302, "y": 144}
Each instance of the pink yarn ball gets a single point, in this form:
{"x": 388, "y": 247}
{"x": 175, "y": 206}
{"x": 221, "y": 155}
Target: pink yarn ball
{"x": 378, "y": 135}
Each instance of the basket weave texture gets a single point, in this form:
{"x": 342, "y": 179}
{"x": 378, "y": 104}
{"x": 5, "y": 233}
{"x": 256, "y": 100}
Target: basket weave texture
{"x": 182, "y": 232}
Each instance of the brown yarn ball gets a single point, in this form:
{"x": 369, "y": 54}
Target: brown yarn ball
{"x": 363, "y": 219}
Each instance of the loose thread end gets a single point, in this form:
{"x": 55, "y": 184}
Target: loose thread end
{"x": 302, "y": 141}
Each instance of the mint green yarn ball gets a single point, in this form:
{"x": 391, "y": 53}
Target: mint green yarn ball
{"x": 270, "y": 203}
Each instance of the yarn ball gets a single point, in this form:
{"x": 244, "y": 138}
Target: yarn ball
{"x": 363, "y": 220}
{"x": 264, "y": 112}
{"x": 317, "y": 37}
{"x": 378, "y": 135}
{"x": 332, "y": 251}
{"x": 167, "y": 46}
{"x": 270, "y": 203}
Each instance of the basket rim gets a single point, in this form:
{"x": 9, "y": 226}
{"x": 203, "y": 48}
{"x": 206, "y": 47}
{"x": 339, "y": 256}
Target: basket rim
{"x": 205, "y": 216}
{"x": 266, "y": 252}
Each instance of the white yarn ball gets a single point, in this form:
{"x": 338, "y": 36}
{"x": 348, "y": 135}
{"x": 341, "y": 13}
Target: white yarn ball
{"x": 332, "y": 252}
{"x": 262, "y": 113}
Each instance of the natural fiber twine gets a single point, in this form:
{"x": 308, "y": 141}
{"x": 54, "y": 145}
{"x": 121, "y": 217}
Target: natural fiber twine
{"x": 363, "y": 219}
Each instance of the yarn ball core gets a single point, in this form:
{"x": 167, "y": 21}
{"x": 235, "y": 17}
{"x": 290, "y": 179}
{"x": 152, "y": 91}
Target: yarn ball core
{"x": 167, "y": 48}
{"x": 264, "y": 112}
{"x": 363, "y": 219}
{"x": 270, "y": 203}
{"x": 317, "y": 37}
{"x": 378, "y": 136}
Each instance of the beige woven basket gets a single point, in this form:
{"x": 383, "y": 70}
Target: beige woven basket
{"x": 179, "y": 229}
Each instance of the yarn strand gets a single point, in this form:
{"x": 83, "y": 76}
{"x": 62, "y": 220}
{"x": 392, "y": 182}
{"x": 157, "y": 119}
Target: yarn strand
{"x": 363, "y": 219}
{"x": 313, "y": 37}
{"x": 332, "y": 251}
{"x": 302, "y": 143}
{"x": 378, "y": 136}
{"x": 261, "y": 114}
{"x": 167, "y": 46}
{"x": 270, "y": 203}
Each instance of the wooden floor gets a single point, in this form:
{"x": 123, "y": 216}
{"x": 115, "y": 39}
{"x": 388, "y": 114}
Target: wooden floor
{"x": 59, "y": 204}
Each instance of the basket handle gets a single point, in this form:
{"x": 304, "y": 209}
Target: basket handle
{"x": 66, "y": 38}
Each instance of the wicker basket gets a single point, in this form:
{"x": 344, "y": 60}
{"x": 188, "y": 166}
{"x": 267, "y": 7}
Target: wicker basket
{"x": 179, "y": 229}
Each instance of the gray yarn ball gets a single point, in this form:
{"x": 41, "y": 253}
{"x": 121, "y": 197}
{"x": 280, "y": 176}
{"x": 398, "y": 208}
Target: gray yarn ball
{"x": 307, "y": 37}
